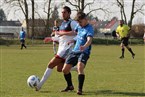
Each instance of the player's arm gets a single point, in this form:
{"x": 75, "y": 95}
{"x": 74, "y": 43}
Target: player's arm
{"x": 117, "y": 33}
{"x": 70, "y": 33}
{"x": 87, "y": 44}
{"x": 72, "y": 41}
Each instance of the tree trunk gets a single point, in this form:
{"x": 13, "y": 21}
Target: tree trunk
{"x": 82, "y": 5}
{"x": 48, "y": 18}
{"x": 132, "y": 13}
{"x": 27, "y": 17}
{"x": 33, "y": 22}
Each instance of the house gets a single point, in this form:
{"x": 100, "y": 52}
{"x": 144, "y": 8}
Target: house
{"x": 9, "y": 28}
{"x": 105, "y": 28}
{"x": 39, "y": 27}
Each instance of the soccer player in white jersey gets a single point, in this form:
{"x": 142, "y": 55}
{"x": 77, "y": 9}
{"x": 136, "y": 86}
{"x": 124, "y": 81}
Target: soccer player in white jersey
{"x": 66, "y": 31}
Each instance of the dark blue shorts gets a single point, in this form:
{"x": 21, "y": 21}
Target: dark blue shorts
{"x": 22, "y": 41}
{"x": 74, "y": 58}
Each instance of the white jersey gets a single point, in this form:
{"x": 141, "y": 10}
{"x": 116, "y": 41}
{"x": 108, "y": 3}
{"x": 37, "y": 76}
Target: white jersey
{"x": 63, "y": 48}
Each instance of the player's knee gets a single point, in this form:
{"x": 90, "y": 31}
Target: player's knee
{"x": 65, "y": 71}
{"x": 59, "y": 69}
{"x": 51, "y": 65}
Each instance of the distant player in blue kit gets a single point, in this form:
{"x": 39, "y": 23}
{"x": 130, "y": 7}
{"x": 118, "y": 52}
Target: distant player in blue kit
{"x": 22, "y": 36}
{"x": 80, "y": 53}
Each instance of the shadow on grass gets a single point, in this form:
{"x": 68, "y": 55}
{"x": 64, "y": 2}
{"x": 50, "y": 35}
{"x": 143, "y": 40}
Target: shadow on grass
{"x": 115, "y": 93}
{"x": 44, "y": 91}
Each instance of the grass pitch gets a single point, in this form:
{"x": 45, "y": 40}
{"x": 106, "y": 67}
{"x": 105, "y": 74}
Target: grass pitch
{"x": 106, "y": 74}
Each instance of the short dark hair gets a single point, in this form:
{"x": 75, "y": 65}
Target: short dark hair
{"x": 122, "y": 21}
{"x": 80, "y": 16}
{"x": 67, "y": 9}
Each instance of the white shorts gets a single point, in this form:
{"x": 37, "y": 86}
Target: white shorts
{"x": 64, "y": 50}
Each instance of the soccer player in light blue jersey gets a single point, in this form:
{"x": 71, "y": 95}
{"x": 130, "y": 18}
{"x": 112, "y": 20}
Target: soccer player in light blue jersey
{"x": 80, "y": 53}
{"x": 22, "y": 36}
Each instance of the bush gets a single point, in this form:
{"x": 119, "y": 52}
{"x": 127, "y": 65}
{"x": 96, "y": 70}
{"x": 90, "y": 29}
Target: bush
{"x": 100, "y": 41}
{"x": 116, "y": 41}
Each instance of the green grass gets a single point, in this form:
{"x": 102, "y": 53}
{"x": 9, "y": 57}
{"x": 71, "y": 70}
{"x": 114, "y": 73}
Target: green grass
{"x": 106, "y": 74}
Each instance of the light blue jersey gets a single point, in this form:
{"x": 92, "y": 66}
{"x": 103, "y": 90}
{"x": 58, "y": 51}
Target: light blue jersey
{"x": 81, "y": 38}
{"x": 22, "y": 34}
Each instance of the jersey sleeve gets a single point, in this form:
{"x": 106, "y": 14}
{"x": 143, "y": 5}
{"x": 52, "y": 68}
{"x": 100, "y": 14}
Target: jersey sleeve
{"x": 117, "y": 31}
{"x": 74, "y": 24}
{"x": 90, "y": 32}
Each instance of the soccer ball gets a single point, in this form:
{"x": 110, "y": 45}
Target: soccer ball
{"x": 33, "y": 81}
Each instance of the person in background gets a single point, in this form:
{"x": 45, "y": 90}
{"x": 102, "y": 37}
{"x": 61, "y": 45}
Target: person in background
{"x": 123, "y": 31}
{"x": 22, "y": 36}
{"x": 54, "y": 36}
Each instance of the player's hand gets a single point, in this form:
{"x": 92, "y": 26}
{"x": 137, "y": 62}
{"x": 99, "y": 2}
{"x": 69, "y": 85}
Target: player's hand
{"x": 57, "y": 32}
{"x": 52, "y": 34}
{"x": 82, "y": 48}
{"x": 72, "y": 41}
{"x": 47, "y": 39}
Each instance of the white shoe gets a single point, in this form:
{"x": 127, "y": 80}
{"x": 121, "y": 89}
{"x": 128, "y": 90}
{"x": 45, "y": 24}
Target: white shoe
{"x": 37, "y": 88}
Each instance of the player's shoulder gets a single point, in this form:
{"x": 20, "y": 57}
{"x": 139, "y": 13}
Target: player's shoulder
{"x": 125, "y": 25}
{"x": 73, "y": 21}
{"x": 90, "y": 27}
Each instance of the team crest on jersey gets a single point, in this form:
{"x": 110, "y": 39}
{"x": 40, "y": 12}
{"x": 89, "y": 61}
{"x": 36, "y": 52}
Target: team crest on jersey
{"x": 66, "y": 26}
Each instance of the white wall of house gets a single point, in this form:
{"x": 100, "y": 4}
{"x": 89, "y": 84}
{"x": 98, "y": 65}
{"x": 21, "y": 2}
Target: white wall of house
{"x": 10, "y": 29}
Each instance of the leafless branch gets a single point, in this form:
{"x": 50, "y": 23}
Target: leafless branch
{"x": 75, "y": 5}
{"x": 89, "y": 4}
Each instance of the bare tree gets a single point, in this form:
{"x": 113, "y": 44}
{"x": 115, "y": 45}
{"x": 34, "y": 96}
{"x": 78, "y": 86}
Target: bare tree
{"x": 120, "y": 4}
{"x": 135, "y": 8}
{"x": 23, "y": 6}
{"x": 81, "y": 5}
{"x": 25, "y": 12}
{"x": 48, "y": 17}
{"x": 33, "y": 17}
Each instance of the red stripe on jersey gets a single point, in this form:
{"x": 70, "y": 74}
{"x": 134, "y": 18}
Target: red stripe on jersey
{"x": 64, "y": 31}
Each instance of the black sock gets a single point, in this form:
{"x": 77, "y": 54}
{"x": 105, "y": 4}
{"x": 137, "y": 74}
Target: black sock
{"x": 25, "y": 46}
{"x": 68, "y": 79}
{"x": 130, "y": 50}
{"x": 21, "y": 46}
{"x": 123, "y": 52}
{"x": 81, "y": 78}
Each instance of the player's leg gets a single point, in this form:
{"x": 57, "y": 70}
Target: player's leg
{"x": 81, "y": 75}
{"x": 129, "y": 49}
{"x": 54, "y": 62}
{"x": 21, "y": 44}
{"x": 69, "y": 63}
{"x": 122, "y": 49}
{"x": 60, "y": 66}
{"x": 24, "y": 44}
{"x": 67, "y": 75}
